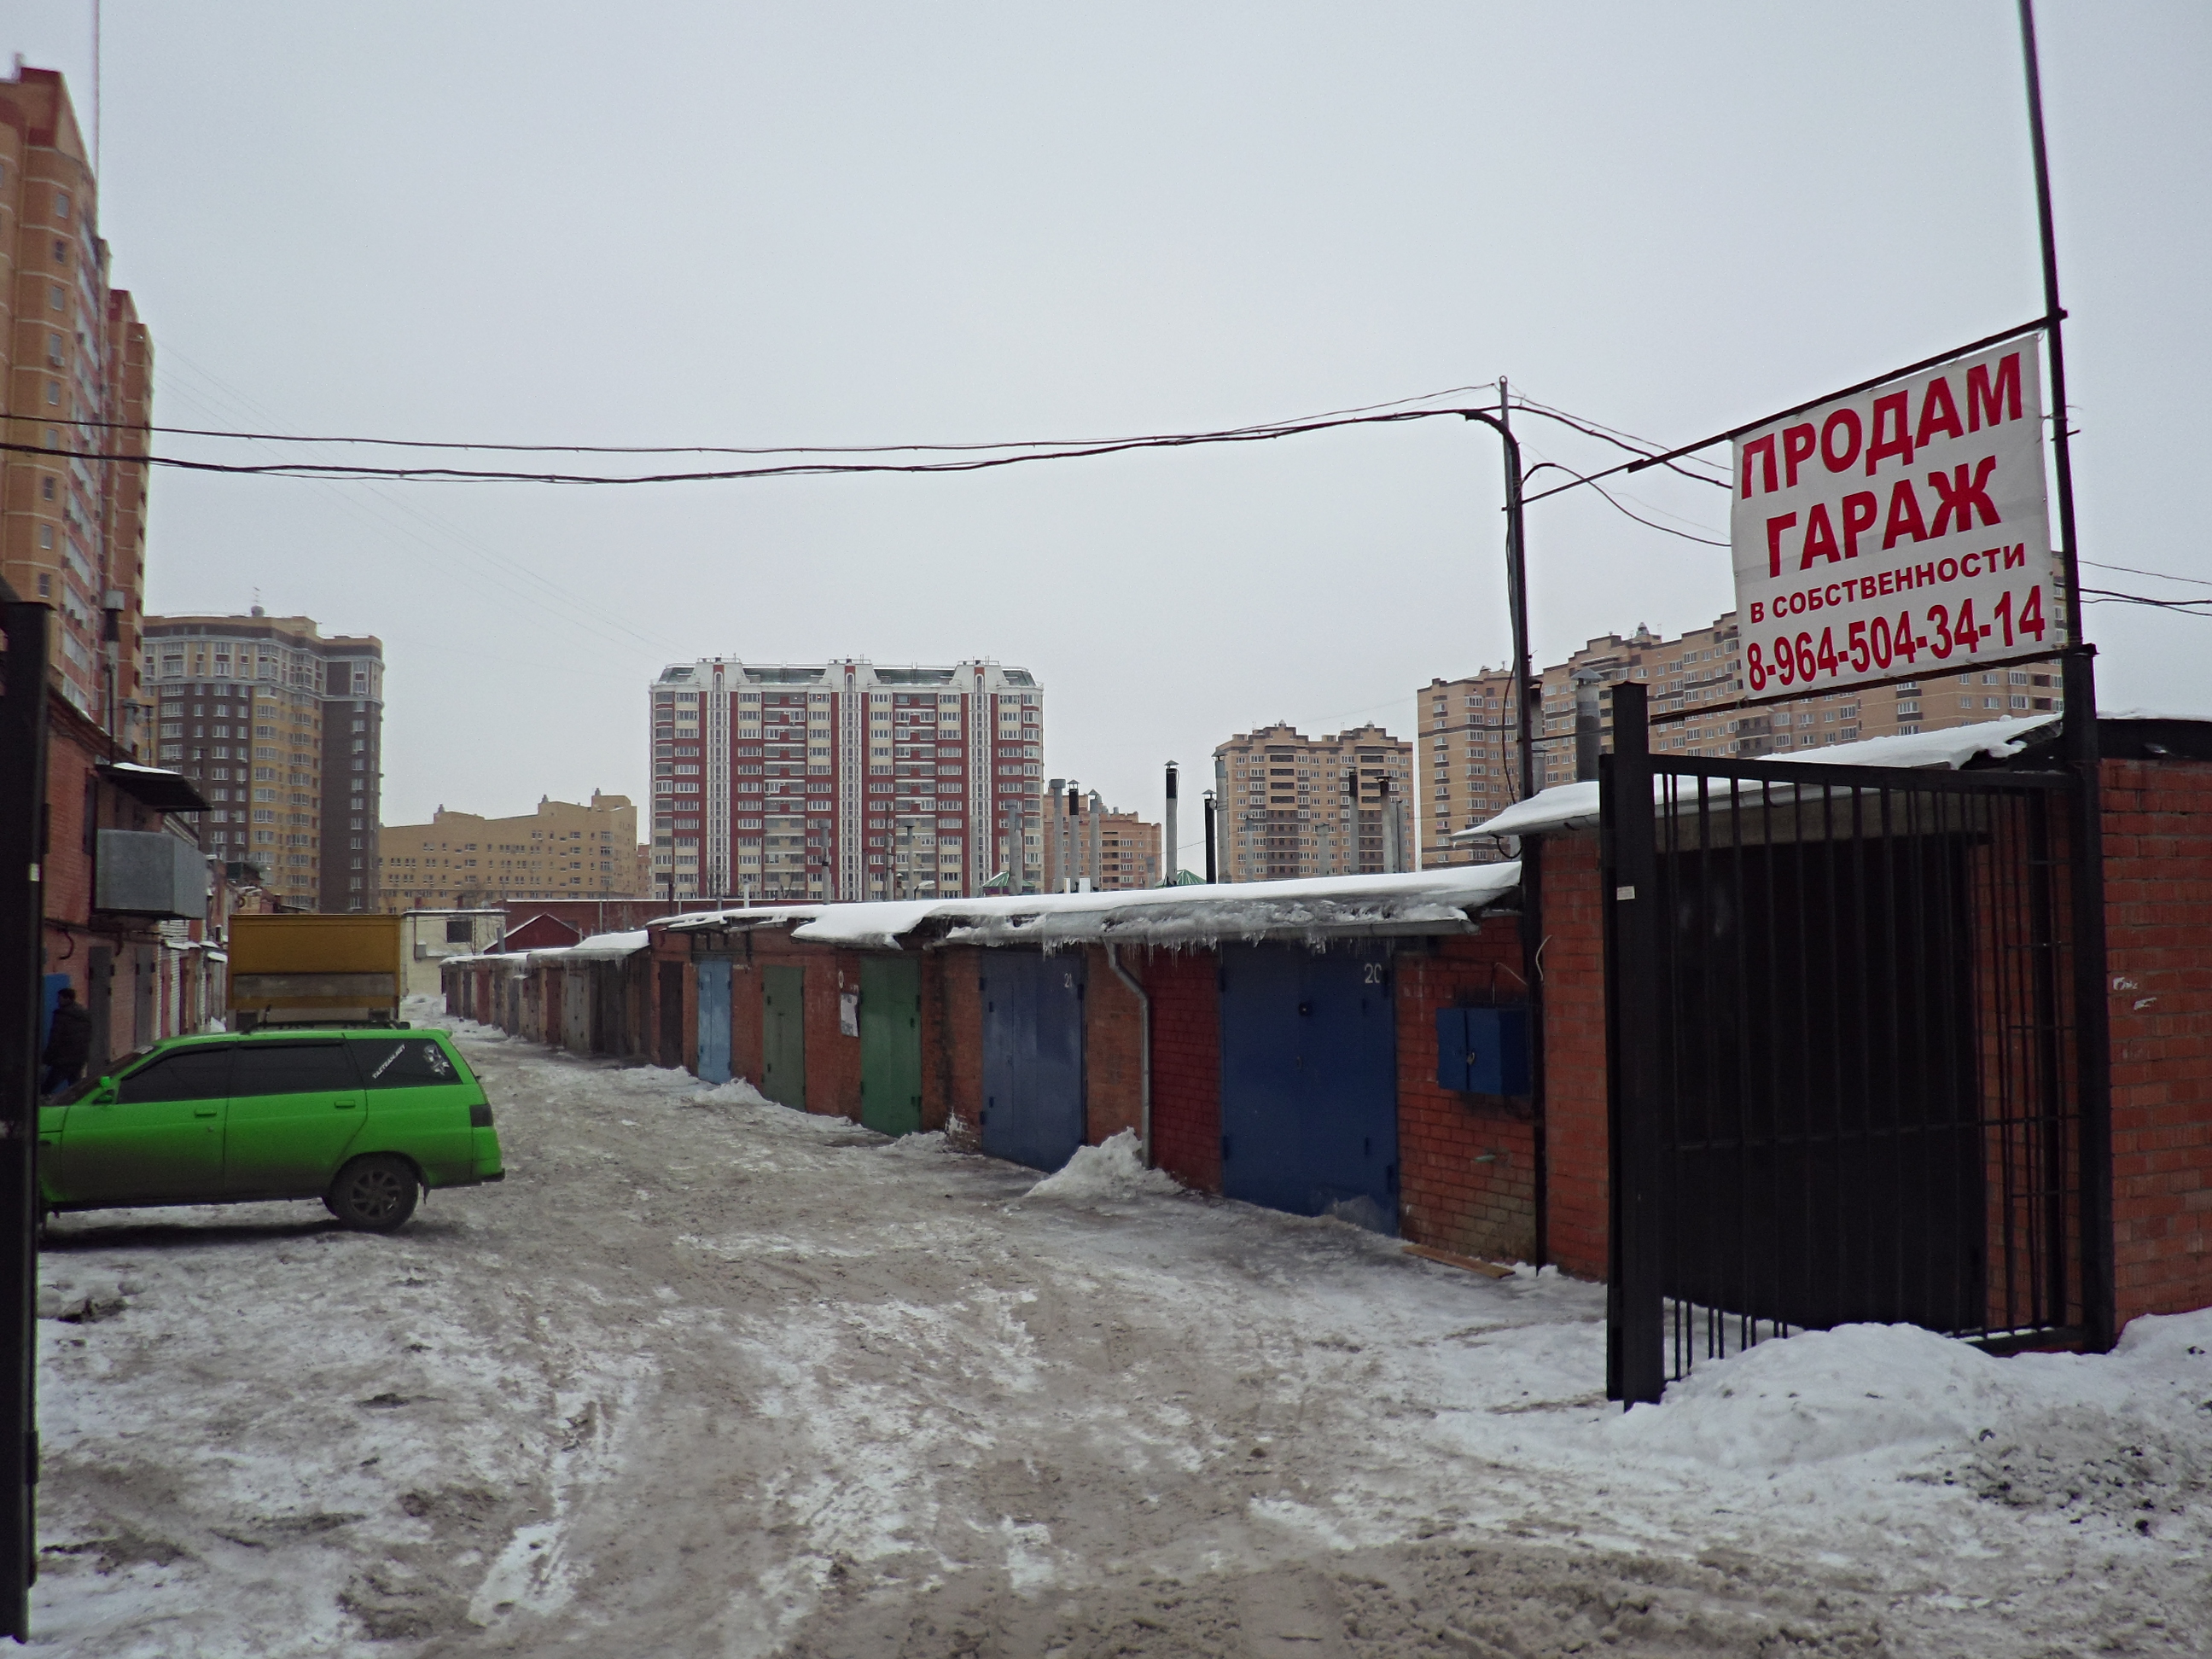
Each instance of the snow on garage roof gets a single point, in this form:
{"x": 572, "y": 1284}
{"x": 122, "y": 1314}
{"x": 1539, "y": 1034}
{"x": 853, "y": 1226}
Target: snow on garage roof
{"x": 1416, "y": 901}
{"x": 600, "y": 947}
{"x": 1575, "y": 806}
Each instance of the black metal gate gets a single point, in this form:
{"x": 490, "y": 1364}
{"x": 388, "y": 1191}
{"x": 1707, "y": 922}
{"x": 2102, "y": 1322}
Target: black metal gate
{"x": 1843, "y": 1055}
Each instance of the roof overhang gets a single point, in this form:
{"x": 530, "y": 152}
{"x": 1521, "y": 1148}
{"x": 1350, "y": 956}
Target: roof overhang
{"x": 150, "y": 785}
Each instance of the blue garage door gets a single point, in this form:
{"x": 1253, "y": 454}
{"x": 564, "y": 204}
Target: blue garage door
{"x": 1308, "y": 1082}
{"x": 1032, "y": 1058}
{"x": 713, "y": 978}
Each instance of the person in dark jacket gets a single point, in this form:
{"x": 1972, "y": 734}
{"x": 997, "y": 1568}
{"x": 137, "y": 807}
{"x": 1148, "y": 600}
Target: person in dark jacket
{"x": 69, "y": 1043}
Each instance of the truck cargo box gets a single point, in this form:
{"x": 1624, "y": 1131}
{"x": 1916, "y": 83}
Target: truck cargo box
{"x": 314, "y": 970}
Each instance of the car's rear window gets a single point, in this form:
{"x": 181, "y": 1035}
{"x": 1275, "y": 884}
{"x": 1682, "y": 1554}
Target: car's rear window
{"x": 417, "y": 1062}
{"x": 292, "y": 1069}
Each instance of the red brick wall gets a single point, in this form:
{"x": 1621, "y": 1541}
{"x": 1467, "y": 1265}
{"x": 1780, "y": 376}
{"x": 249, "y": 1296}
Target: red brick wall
{"x": 833, "y": 1059}
{"x": 74, "y": 746}
{"x": 1573, "y": 993}
{"x": 937, "y": 1088}
{"x": 1466, "y": 1163}
{"x": 1185, "y": 989}
{"x": 1113, "y": 1049}
{"x": 2158, "y": 900}
{"x": 690, "y": 1018}
{"x": 65, "y": 873}
{"x": 959, "y": 1045}
{"x": 745, "y": 1018}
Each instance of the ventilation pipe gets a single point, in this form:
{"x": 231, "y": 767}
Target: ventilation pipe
{"x": 1168, "y": 862}
{"x": 1096, "y": 809}
{"x": 1068, "y": 810}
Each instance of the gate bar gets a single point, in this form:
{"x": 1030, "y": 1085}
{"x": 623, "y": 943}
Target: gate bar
{"x": 1635, "y": 1360}
{"x": 22, "y": 854}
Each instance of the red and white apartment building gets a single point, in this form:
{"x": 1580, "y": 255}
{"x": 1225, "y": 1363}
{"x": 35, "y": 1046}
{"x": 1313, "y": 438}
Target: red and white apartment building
{"x": 844, "y": 779}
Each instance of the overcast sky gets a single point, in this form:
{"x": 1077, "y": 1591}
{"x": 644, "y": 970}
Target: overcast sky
{"x": 753, "y": 224}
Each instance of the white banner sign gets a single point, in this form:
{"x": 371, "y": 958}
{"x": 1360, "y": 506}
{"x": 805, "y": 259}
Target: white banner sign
{"x": 1903, "y": 530}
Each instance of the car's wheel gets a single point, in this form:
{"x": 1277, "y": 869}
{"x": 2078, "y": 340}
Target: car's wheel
{"x": 372, "y": 1194}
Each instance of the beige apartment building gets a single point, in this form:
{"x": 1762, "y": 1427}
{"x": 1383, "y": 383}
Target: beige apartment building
{"x": 1085, "y": 840}
{"x": 462, "y": 860}
{"x": 77, "y": 371}
{"x": 281, "y": 729}
{"x": 1694, "y": 683}
{"x": 1292, "y": 806}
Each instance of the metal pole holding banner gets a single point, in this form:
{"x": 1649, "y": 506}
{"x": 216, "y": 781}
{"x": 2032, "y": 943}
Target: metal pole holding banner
{"x": 22, "y": 854}
{"x": 2092, "y": 1042}
{"x": 1635, "y": 1326}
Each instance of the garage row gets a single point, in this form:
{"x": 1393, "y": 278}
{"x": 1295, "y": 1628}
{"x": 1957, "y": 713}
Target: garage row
{"x": 1355, "y": 1045}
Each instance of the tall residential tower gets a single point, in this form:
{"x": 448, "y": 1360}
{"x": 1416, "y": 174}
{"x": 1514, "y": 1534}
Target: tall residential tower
{"x": 75, "y": 378}
{"x": 1294, "y": 806}
{"x": 806, "y": 782}
{"x": 282, "y": 729}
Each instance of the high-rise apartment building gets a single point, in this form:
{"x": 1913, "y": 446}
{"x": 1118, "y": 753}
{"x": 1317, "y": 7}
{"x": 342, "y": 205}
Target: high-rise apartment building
{"x": 462, "y": 860}
{"x": 1694, "y": 683}
{"x": 1292, "y": 806}
{"x": 76, "y": 371}
{"x": 804, "y": 782}
{"x": 283, "y": 731}
{"x": 1085, "y": 840}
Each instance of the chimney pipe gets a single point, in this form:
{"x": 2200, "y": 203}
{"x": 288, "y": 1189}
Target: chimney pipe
{"x": 1210, "y": 874}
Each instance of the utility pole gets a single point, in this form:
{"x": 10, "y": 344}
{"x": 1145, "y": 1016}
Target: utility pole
{"x": 1532, "y": 866}
{"x": 2092, "y": 1012}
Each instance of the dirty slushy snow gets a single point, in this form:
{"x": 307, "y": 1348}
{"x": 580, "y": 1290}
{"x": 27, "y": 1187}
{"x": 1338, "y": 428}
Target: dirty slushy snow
{"x": 706, "y": 1375}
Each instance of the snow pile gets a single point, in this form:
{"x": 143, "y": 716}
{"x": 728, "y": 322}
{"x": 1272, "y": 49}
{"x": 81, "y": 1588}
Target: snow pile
{"x": 655, "y": 1079}
{"x": 736, "y": 1092}
{"x": 1113, "y": 1169}
{"x": 78, "y": 1293}
{"x": 2126, "y": 1436}
{"x": 928, "y": 1144}
{"x": 1823, "y": 1395}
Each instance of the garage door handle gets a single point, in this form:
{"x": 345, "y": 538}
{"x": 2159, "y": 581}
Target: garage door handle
{"x": 206, "y": 1111}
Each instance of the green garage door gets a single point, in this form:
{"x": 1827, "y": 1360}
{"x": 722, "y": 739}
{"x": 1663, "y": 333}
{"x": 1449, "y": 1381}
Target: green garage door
{"x": 890, "y": 1044}
{"x": 783, "y": 1036}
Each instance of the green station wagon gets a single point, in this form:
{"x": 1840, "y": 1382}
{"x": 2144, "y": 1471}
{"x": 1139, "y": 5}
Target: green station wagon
{"x": 363, "y": 1120}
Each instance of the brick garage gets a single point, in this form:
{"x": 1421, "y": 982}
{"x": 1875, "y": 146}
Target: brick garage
{"x": 1467, "y": 1162}
{"x": 2158, "y": 898}
{"x": 2157, "y": 787}
{"x": 753, "y": 942}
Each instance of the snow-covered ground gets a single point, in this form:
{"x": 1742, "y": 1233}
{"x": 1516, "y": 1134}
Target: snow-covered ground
{"x": 707, "y": 1376}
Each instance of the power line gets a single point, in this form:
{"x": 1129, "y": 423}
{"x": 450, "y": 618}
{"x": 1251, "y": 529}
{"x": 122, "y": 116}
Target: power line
{"x": 384, "y": 509}
{"x": 763, "y": 450}
{"x": 2107, "y": 596}
{"x": 1592, "y": 430}
{"x": 2194, "y": 581}
{"x": 339, "y": 472}
{"x": 1591, "y": 480}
